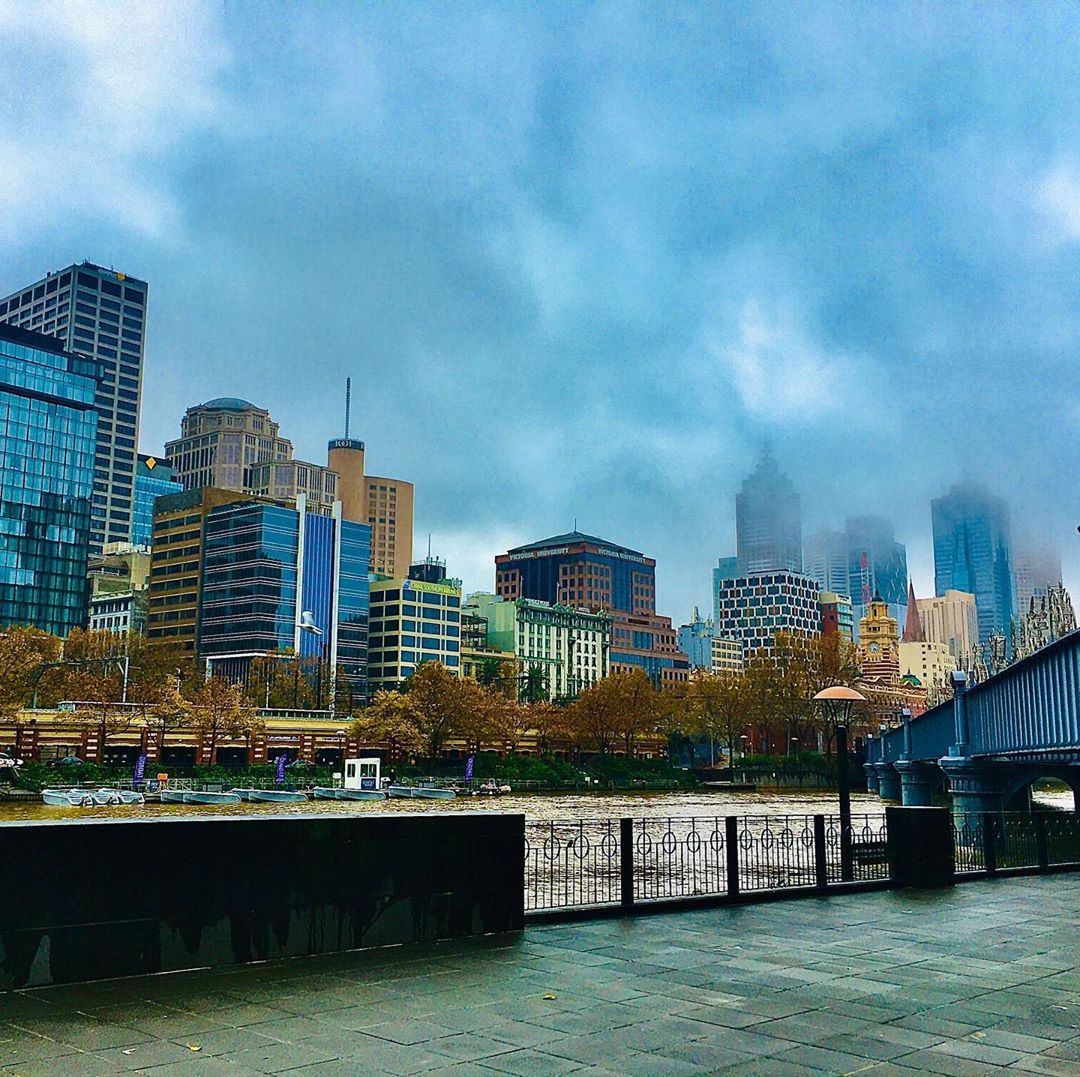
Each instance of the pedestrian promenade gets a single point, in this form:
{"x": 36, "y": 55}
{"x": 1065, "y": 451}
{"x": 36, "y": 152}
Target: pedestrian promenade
{"x": 981, "y": 977}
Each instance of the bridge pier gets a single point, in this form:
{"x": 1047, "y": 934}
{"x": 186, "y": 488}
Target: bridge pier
{"x": 871, "y": 777}
{"x": 917, "y": 782}
{"x": 974, "y": 786}
{"x": 888, "y": 781}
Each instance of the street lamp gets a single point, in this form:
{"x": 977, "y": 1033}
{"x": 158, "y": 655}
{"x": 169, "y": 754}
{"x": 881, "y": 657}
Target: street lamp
{"x": 837, "y": 702}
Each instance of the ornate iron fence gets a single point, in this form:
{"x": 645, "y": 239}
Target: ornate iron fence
{"x": 609, "y": 862}
{"x": 989, "y": 842}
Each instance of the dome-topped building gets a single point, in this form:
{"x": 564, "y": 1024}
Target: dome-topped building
{"x": 221, "y": 441}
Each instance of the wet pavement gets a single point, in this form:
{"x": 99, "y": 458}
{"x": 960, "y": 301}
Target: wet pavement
{"x": 981, "y": 977}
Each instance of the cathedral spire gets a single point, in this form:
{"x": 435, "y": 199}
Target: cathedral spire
{"x": 913, "y": 630}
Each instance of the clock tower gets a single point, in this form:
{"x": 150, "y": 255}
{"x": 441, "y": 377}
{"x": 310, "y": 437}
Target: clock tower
{"x": 879, "y": 644}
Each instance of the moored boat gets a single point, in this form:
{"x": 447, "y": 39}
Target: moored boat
{"x": 401, "y": 792}
{"x": 198, "y": 796}
{"x": 277, "y": 796}
{"x": 428, "y": 792}
{"x": 118, "y": 796}
{"x": 325, "y": 792}
{"x": 173, "y": 796}
{"x": 68, "y": 798}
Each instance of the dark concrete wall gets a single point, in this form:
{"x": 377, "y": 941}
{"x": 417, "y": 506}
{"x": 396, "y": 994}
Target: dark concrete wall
{"x": 86, "y": 900}
{"x": 920, "y": 846}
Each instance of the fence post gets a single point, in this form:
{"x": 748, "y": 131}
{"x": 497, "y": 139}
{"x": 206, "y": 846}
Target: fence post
{"x": 1042, "y": 853}
{"x": 626, "y": 861}
{"x": 989, "y": 843}
{"x": 821, "y": 856}
{"x": 731, "y": 840}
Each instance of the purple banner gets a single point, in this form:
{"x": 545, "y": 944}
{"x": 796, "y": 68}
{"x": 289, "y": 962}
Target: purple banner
{"x": 469, "y": 764}
{"x": 279, "y": 770}
{"x": 140, "y": 769}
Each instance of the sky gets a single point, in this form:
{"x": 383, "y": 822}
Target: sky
{"x": 583, "y": 261}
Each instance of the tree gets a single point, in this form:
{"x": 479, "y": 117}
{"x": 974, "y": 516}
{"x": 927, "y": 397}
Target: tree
{"x": 97, "y": 690}
{"x": 499, "y": 674}
{"x": 23, "y": 651}
{"x": 389, "y": 719}
{"x": 718, "y": 706}
{"x": 171, "y": 713}
{"x": 545, "y": 721}
{"x": 534, "y": 684}
{"x": 223, "y": 712}
{"x": 617, "y": 711}
{"x": 439, "y": 703}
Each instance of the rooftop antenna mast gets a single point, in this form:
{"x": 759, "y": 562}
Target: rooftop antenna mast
{"x": 348, "y": 404}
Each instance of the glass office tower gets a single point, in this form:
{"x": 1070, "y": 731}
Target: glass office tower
{"x": 768, "y": 522}
{"x": 972, "y": 553}
{"x": 264, "y": 567}
{"x": 153, "y": 478}
{"x": 48, "y": 434}
{"x": 102, "y": 314}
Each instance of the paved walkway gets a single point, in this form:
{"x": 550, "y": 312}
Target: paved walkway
{"x": 964, "y": 981}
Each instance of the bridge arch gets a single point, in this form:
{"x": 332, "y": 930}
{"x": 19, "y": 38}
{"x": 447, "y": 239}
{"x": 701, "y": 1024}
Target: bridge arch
{"x": 1024, "y": 777}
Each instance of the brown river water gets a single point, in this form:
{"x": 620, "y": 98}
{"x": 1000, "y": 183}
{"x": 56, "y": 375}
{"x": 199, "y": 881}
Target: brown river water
{"x": 537, "y": 807}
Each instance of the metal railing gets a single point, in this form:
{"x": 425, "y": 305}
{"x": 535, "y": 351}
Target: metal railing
{"x": 627, "y": 861}
{"x": 990, "y": 842}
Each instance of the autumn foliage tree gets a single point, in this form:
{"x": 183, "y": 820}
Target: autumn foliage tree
{"x": 617, "y": 712}
{"x": 221, "y": 711}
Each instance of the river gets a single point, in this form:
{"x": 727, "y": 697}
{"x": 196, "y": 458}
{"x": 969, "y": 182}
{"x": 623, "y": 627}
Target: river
{"x": 537, "y": 807}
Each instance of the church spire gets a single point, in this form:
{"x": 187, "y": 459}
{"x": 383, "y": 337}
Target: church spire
{"x": 913, "y": 630}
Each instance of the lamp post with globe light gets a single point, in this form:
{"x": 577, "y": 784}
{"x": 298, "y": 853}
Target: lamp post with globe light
{"x": 837, "y": 702}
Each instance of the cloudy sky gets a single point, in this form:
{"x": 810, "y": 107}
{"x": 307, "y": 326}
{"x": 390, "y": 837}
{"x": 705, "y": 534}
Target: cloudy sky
{"x": 583, "y": 261}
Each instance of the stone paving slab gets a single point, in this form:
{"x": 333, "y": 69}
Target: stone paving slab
{"x": 981, "y": 978}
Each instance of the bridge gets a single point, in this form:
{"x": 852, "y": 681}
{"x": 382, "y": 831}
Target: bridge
{"x": 988, "y": 743}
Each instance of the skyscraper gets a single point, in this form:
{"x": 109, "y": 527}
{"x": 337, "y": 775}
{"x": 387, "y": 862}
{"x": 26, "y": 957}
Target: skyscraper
{"x": 877, "y": 565}
{"x": 768, "y": 522}
{"x": 585, "y": 572}
{"x": 153, "y": 478}
{"x": 101, "y": 314}
{"x": 48, "y": 438}
{"x": 1036, "y": 568}
{"x": 727, "y": 568}
{"x": 972, "y": 552}
{"x": 827, "y": 561}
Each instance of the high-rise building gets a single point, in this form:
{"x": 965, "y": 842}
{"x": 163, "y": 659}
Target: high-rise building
{"x": 827, "y": 560}
{"x": 153, "y": 478}
{"x": 101, "y": 314}
{"x": 386, "y": 505}
{"x": 48, "y": 441}
{"x": 570, "y": 647}
{"x": 1036, "y": 569}
{"x": 972, "y": 553}
{"x": 413, "y": 620}
{"x": 877, "y": 566}
{"x": 951, "y": 619}
{"x": 232, "y": 444}
{"x": 584, "y": 572}
{"x": 277, "y": 578}
{"x": 836, "y": 615}
{"x": 768, "y": 522}
{"x": 753, "y": 609}
{"x": 727, "y": 568}
{"x": 221, "y": 441}
{"x": 176, "y": 564}
{"x": 695, "y": 641}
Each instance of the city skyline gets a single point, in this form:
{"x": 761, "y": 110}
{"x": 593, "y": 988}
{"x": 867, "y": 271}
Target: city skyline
{"x": 804, "y": 273}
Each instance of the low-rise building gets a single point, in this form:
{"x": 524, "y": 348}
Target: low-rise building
{"x": 119, "y": 585}
{"x": 570, "y": 646}
{"x": 727, "y": 655}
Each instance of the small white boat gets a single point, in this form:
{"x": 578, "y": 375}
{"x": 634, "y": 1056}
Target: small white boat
{"x": 68, "y": 798}
{"x": 197, "y": 796}
{"x": 401, "y": 792}
{"x": 429, "y": 792}
{"x": 276, "y": 796}
{"x": 325, "y": 792}
{"x": 118, "y": 796}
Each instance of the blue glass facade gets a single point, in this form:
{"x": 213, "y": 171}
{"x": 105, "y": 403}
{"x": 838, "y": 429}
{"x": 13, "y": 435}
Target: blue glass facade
{"x": 252, "y": 570}
{"x": 877, "y": 565}
{"x": 48, "y": 435}
{"x": 153, "y": 478}
{"x": 972, "y": 553}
